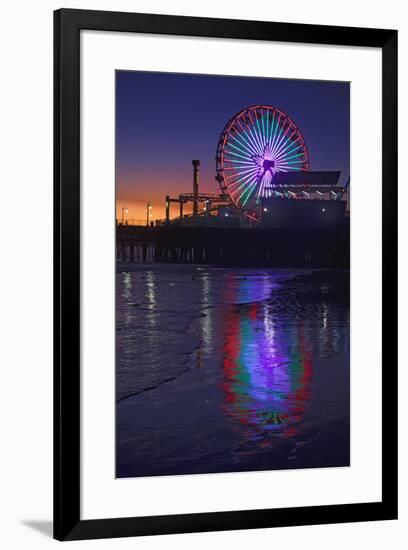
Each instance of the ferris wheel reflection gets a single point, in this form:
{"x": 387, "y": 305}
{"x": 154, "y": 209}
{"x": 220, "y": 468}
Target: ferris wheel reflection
{"x": 267, "y": 371}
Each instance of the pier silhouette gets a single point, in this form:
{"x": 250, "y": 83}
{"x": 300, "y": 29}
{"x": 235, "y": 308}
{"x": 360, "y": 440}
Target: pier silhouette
{"x": 234, "y": 246}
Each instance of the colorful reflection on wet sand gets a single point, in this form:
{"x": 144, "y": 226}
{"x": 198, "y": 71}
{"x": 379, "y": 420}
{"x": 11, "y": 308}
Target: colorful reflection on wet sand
{"x": 267, "y": 371}
{"x": 222, "y": 370}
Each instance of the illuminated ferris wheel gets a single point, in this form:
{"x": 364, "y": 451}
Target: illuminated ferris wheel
{"x": 256, "y": 144}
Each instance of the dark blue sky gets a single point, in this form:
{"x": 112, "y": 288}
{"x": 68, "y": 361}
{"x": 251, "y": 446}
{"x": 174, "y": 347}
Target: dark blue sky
{"x": 165, "y": 120}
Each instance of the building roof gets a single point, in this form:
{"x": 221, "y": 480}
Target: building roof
{"x": 301, "y": 178}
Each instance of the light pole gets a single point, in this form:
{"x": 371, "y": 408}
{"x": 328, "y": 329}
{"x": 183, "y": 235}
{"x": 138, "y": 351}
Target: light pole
{"x": 148, "y": 213}
{"x": 124, "y": 211}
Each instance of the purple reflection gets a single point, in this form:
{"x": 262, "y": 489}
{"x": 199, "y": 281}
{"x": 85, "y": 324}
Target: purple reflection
{"x": 267, "y": 370}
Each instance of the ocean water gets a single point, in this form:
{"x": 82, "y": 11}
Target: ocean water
{"x": 221, "y": 370}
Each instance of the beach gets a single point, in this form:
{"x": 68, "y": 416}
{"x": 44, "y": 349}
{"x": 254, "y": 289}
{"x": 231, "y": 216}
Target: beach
{"x": 222, "y": 370}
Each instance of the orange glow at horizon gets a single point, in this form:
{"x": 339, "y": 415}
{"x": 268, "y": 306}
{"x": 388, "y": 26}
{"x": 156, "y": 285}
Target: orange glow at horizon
{"x": 134, "y": 191}
{"x": 137, "y": 210}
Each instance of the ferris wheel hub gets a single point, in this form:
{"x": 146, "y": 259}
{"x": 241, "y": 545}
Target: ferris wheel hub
{"x": 268, "y": 164}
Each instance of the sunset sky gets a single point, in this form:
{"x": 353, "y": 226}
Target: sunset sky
{"x": 165, "y": 120}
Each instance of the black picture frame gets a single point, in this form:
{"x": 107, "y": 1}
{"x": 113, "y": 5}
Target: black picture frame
{"x": 67, "y": 26}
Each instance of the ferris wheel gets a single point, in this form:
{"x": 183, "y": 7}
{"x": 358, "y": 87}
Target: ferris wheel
{"x": 256, "y": 144}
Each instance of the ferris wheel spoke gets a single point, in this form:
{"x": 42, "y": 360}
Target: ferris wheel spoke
{"x": 244, "y": 185}
{"x": 242, "y": 181}
{"x": 266, "y": 124}
{"x": 245, "y": 152}
{"x": 260, "y": 132}
{"x": 290, "y": 139}
{"x": 258, "y": 126}
{"x": 244, "y": 193}
{"x": 288, "y": 147}
{"x": 251, "y": 131}
{"x": 253, "y": 140}
{"x": 293, "y": 156}
{"x": 275, "y": 137}
{"x": 237, "y": 152}
{"x": 263, "y": 128}
{"x": 249, "y": 140}
{"x": 246, "y": 196}
{"x": 295, "y": 159}
{"x": 241, "y": 192}
{"x": 280, "y": 141}
{"x": 245, "y": 171}
{"x": 252, "y": 136}
{"x": 290, "y": 164}
{"x": 262, "y": 124}
{"x": 239, "y": 163}
{"x": 240, "y": 123}
{"x": 269, "y": 127}
{"x": 232, "y": 153}
{"x": 241, "y": 172}
{"x": 243, "y": 133}
{"x": 287, "y": 154}
{"x": 277, "y": 131}
{"x": 236, "y": 169}
{"x": 243, "y": 142}
{"x": 285, "y": 147}
{"x": 261, "y": 188}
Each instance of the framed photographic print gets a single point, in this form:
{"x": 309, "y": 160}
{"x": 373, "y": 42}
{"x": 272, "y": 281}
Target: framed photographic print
{"x": 225, "y": 274}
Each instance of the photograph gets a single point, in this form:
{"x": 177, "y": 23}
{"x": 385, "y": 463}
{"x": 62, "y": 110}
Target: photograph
{"x": 232, "y": 301}
{"x": 201, "y": 275}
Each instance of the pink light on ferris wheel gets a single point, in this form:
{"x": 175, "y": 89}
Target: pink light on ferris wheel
{"x": 257, "y": 143}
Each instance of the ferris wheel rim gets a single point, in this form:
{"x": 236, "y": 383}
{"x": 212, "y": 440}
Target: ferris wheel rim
{"x": 254, "y": 144}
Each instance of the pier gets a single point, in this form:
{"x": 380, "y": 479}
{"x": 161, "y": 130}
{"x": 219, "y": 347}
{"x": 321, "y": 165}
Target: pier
{"x": 232, "y": 246}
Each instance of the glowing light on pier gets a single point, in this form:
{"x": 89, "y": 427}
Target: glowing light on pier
{"x": 257, "y": 143}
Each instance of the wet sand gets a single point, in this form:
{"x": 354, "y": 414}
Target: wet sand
{"x": 231, "y": 369}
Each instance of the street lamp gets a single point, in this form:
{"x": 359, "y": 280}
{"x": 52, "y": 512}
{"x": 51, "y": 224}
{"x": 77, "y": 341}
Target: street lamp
{"x": 148, "y": 213}
{"x": 124, "y": 211}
